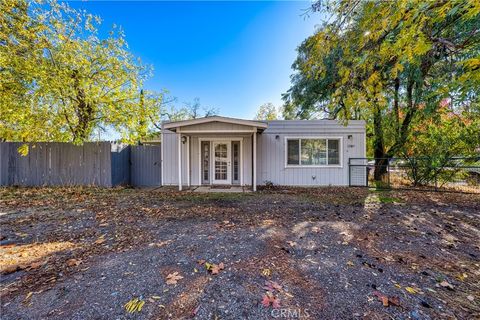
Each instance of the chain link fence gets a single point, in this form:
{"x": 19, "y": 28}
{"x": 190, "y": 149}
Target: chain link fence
{"x": 458, "y": 174}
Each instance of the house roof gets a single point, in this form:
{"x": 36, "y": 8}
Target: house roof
{"x": 251, "y": 123}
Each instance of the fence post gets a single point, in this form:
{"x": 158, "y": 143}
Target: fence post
{"x": 349, "y": 173}
{"x": 388, "y": 173}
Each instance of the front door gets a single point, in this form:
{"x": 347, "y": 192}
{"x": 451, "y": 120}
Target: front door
{"x": 221, "y": 162}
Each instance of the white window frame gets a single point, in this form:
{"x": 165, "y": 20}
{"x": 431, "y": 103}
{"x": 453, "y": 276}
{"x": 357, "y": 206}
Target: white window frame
{"x": 340, "y": 151}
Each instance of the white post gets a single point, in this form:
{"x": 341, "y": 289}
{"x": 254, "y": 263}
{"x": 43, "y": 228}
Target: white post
{"x": 188, "y": 160}
{"x": 255, "y": 160}
{"x": 162, "y": 144}
{"x": 179, "y": 160}
{"x": 241, "y": 162}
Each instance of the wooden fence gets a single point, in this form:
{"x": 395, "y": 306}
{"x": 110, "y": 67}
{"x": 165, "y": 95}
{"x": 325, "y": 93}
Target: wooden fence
{"x": 102, "y": 164}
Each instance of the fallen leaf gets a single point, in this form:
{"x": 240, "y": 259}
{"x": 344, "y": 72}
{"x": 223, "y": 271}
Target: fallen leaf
{"x": 100, "y": 240}
{"x": 350, "y": 263}
{"x": 134, "y": 305}
{"x": 28, "y": 296}
{"x": 269, "y": 299}
{"x": 266, "y": 272}
{"x": 411, "y": 290}
{"x": 73, "y": 262}
{"x": 387, "y": 300}
{"x": 215, "y": 269}
{"x": 447, "y": 285}
{"x": 462, "y": 276}
{"x": 272, "y": 286}
{"x": 173, "y": 278}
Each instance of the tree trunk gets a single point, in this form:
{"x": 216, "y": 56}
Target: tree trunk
{"x": 378, "y": 146}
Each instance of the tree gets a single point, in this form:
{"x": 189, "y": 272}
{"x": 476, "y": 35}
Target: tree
{"x": 63, "y": 81}
{"x": 193, "y": 110}
{"x": 267, "y": 111}
{"x": 389, "y": 63}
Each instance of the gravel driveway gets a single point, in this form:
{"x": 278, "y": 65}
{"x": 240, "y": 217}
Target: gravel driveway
{"x": 328, "y": 253}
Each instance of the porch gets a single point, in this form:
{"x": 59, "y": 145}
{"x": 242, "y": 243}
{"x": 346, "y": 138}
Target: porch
{"x": 212, "y": 152}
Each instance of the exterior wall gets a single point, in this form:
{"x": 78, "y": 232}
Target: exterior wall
{"x": 271, "y": 164}
{"x": 170, "y": 158}
{"x": 271, "y": 158}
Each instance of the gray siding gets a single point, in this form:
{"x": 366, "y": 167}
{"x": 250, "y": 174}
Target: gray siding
{"x": 170, "y": 158}
{"x": 145, "y": 166}
{"x": 271, "y": 164}
{"x": 270, "y": 152}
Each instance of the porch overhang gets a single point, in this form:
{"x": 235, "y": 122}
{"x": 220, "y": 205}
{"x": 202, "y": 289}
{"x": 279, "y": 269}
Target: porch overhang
{"x": 192, "y": 126}
{"x": 214, "y": 125}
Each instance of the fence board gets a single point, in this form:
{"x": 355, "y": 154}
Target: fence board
{"x": 95, "y": 163}
{"x": 145, "y": 166}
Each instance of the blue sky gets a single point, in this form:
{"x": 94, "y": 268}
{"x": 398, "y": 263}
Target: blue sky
{"x": 234, "y": 56}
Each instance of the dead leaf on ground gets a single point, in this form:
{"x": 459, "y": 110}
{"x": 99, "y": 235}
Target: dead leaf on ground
{"x": 447, "y": 285}
{"x": 173, "y": 278}
{"x": 266, "y": 272}
{"x": 270, "y": 299}
{"x": 73, "y": 262}
{"x": 387, "y": 300}
{"x": 213, "y": 268}
{"x": 272, "y": 286}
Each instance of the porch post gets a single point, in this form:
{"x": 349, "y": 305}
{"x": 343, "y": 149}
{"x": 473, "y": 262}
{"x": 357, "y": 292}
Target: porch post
{"x": 188, "y": 160}
{"x": 162, "y": 144}
{"x": 254, "y": 182}
{"x": 179, "y": 141}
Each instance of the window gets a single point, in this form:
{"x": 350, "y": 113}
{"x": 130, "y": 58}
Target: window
{"x": 313, "y": 152}
{"x": 236, "y": 158}
{"x": 205, "y": 161}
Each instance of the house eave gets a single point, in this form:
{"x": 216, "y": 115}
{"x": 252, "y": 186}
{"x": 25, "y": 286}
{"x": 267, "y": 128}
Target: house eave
{"x": 173, "y": 126}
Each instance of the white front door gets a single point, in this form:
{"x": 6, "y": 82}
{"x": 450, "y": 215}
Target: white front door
{"x": 221, "y": 162}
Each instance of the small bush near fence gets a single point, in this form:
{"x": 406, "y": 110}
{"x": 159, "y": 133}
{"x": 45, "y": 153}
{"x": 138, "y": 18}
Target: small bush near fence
{"x": 452, "y": 174}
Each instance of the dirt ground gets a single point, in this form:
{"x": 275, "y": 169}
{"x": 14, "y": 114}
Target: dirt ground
{"x": 327, "y": 253}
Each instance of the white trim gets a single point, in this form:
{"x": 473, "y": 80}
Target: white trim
{"x": 179, "y": 143}
{"x": 228, "y": 160}
{"x": 217, "y": 131}
{"x": 293, "y": 166}
{"x": 162, "y": 148}
{"x": 254, "y": 182}
{"x": 188, "y": 161}
{"x": 251, "y": 123}
{"x": 241, "y": 162}
{"x": 210, "y": 140}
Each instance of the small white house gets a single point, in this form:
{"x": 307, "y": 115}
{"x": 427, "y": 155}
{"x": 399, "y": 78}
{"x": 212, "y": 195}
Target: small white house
{"x": 226, "y": 151}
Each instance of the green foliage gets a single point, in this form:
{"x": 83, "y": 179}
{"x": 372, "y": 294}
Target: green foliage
{"x": 267, "y": 111}
{"x": 391, "y": 63}
{"x": 60, "y": 82}
{"x": 439, "y": 139}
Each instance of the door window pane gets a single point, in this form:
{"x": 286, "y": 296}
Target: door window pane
{"x": 293, "y": 152}
{"x": 236, "y": 162}
{"x": 221, "y": 166}
{"x": 314, "y": 152}
{"x": 205, "y": 161}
